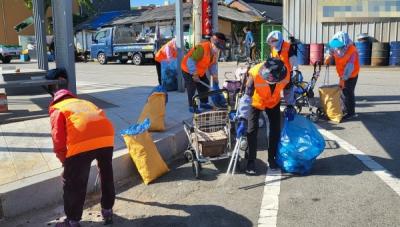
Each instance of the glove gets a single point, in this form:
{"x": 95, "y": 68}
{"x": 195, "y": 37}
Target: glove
{"x": 289, "y": 113}
{"x": 241, "y": 129}
{"x": 215, "y": 86}
{"x": 218, "y": 99}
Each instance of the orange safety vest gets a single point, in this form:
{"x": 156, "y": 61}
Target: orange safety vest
{"x": 87, "y": 126}
{"x": 161, "y": 55}
{"x": 283, "y": 55}
{"x": 203, "y": 64}
{"x": 263, "y": 98}
{"x": 342, "y": 61}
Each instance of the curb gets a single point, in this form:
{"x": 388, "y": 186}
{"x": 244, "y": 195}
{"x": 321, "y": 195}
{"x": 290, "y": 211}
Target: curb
{"x": 45, "y": 189}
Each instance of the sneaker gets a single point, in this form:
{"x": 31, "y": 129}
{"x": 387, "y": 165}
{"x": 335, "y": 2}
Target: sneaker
{"x": 107, "y": 216}
{"x": 251, "y": 168}
{"x": 68, "y": 223}
{"x": 206, "y": 106}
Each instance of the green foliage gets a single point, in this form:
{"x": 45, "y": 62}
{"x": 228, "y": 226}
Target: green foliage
{"x": 47, "y": 3}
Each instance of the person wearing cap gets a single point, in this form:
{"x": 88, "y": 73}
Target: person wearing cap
{"x": 249, "y": 44}
{"x": 263, "y": 91}
{"x": 197, "y": 62}
{"x": 167, "y": 53}
{"x": 342, "y": 49}
{"x": 81, "y": 133}
{"x": 285, "y": 51}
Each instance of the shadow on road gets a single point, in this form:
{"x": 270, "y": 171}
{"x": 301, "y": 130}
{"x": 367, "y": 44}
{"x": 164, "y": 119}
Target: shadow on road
{"x": 195, "y": 215}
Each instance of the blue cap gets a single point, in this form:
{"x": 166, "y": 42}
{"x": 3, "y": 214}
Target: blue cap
{"x": 335, "y": 43}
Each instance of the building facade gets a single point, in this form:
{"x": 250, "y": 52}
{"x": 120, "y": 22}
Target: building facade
{"x": 13, "y": 12}
{"x": 316, "y": 21}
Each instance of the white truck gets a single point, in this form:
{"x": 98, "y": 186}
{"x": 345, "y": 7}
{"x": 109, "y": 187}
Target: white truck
{"x": 8, "y": 52}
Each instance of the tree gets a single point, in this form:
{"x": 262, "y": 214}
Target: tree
{"x": 87, "y": 4}
{"x": 47, "y": 3}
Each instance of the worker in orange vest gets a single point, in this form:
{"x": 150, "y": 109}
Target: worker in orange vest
{"x": 167, "y": 52}
{"x": 286, "y": 51}
{"x": 197, "y": 62}
{"x": 265, "y": 84}
{"x": 342, "y": 49}
{"x": 82, "y": 133}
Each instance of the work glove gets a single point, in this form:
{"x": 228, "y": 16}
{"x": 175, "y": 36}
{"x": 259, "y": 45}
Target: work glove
{"x": 241, "y": 128}
{"x": 215, "y": 86}
{"x": 289, "y": 113}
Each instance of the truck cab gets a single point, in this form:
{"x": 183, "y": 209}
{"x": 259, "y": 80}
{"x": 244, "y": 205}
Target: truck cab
{"x": 8, "y": 52}
{"x": 121, "y": 43}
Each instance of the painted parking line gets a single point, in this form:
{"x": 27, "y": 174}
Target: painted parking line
{"x": 386, "y": 176}
{"x": 270, "y": 202}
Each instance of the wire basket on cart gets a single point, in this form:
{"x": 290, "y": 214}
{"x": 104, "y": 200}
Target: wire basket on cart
{"x": 209, "y": 135}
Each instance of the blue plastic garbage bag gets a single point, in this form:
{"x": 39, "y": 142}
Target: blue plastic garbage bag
{"x": 299, "y": 146}
{"x": 218, "y": 99}
{"x": 160, "y": 88}
{"x": 169, "y": 75}
{"x": 137, "y": 129}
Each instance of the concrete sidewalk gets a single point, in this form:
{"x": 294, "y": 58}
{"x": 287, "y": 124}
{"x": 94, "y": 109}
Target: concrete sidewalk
{"x": 29, "y": 168}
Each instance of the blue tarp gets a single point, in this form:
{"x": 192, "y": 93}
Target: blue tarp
{"x": 99, "y": 20}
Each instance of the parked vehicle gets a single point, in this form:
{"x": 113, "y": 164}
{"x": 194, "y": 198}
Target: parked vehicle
{"x": 123, "y": 44}
{"x": 8, "y": 52}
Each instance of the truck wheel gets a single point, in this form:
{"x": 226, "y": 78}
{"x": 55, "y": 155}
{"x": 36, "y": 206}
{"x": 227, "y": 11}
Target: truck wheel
{"x": 137, "y": 59}
{"x": 7, "y": 59}
{"x": 101, "y": 58}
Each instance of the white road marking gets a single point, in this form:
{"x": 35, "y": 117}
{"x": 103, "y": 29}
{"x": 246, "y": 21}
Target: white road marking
{"x": 392, "y": 181}
{"x": 270, "y": 201}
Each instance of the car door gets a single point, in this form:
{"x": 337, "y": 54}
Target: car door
{"x": 101, "y": 43}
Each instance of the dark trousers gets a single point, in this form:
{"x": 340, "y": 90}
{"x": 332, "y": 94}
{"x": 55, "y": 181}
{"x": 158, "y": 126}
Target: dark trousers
{"x": 274, "y": 116}
{"x": 158, "y": 67}
{"x": 348, "y": 96}
{"x": 192, "y": 86}
{"x": 76, "y": 174}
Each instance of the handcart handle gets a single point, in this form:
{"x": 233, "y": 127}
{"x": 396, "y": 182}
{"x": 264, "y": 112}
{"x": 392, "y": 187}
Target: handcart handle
{"x": 188, "y": 125}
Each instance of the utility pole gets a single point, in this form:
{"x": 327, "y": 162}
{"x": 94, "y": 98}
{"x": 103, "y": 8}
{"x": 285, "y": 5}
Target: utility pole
{"x": 64, "y": 40}
{"x": 215, "y": 19}
{"x": 179, "y": 42}
{"x": 197, "y": 24}
{"x": 40, "y": 33}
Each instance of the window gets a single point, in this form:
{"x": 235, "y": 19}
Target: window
{"x": 101, "y": 36}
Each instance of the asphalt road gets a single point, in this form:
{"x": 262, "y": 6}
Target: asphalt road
{"x": 340, "y": 191}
